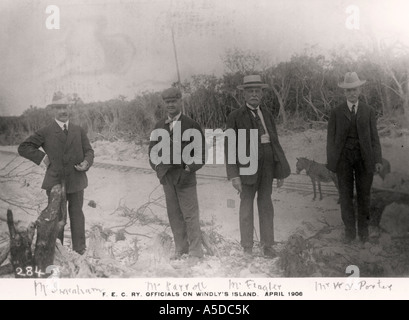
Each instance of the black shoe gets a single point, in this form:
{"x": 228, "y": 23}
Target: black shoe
{"x": 82, "y": 251}
{"x": 269, "y": 253}
{"x": 177, "y": 256}
{"x": 363, "y": 234}
{"x": 248, "y": 251}
{"x": 348, "y": 239}
{"x": 192, "y": 260}
{"x": 363, "y": 239}
{"x": 349, "y": 235}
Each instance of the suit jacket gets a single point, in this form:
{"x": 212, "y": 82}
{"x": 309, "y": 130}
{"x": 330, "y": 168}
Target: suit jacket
{"x": 176, "y": 171}
{"x": 240, "y": 119}
{"x": 338, "y": 127}
{"x": 64, "y": 151}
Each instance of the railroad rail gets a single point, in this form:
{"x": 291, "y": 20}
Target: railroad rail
{"x": 291, "y": 184}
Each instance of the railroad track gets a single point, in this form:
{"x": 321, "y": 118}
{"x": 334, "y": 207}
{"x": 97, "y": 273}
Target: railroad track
{"x": 291, "y": 184}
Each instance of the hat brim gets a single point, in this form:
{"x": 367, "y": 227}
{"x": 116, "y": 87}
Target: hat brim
{"x": 352, "y": 85}
{"x": 58, "y": 104}
{"x": 252, "y": 85}
{"x": 171, "y": 98}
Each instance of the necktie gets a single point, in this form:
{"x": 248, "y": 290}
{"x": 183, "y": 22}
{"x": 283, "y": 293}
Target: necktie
{"x": 170, "y": 122}
{"x": 261, "y": 130}
{"x": 353, "y": 110}
{"x": 65, "y": 129}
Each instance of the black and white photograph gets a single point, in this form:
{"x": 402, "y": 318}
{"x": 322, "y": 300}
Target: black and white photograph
{"x": 229, "y": 144}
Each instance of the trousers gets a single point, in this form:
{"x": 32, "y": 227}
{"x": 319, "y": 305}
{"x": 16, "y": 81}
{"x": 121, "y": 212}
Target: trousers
{"x": 351, "y": 170}
{"x": 77, "y": 220}
{"x": 183, "y": 213}
{"x": 264, "y": 188}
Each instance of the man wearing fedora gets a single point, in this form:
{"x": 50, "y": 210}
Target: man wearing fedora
{"x": 67, "y": 156}
{"x": 271, "y": 161}
{"x": 354, "y": 154}
{"x": 179, "y": 177}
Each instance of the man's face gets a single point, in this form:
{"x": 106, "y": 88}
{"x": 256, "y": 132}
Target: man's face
{"x": 352, "y": 95}
{"x": 61, "y": 113}
{"x": 253, "y": 96}
{"x": 173, "y": 106}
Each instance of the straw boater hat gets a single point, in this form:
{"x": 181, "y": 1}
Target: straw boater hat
{"x": 59, "y": 99}
{"x": 351, "y": 81}
{"x": 252, "y": 81}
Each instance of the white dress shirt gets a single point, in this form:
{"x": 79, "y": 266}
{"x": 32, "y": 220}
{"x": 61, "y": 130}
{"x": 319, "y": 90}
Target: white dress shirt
{"x": 174, "y": 119}
{"x": 61, "y": 124}
{"x": 350, "y": 104}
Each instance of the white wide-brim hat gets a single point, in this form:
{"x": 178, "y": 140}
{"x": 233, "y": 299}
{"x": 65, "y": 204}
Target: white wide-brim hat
{"x": 351, "y": 81}
{"x": 59, "y": 99}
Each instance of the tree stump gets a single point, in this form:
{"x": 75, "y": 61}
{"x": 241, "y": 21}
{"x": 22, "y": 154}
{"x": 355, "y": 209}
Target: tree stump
{"x": 48, "y": 226}
{"x": 24, "y": 263}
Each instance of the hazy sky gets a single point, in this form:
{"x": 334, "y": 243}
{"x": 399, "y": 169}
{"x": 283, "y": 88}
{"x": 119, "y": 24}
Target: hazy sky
{"x": 106, "y": 48}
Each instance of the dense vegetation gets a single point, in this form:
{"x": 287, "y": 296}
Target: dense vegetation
{"x": 302, "y": 92}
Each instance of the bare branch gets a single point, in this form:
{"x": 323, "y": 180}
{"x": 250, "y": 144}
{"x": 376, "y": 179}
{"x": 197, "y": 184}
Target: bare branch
{"x": 235, "y": 98}
{"x": 137, "y": 234}
{"x": 4, "y": 168}
{"x": 310, "y": 103}
{"x": 4, "y": 252}
{"x": 16, "y": 167}
{"x": 3, "y": 217}
{"x": 392, "y": 89}
{"x": 5, "y": 181}
{"x": 16, "y": 204}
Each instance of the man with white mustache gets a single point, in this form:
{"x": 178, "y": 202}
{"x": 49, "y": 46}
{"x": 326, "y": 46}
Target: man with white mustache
{"x": 271, "y": 164}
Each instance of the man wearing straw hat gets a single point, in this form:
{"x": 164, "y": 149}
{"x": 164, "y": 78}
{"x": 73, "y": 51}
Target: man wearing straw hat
{"x": 271, "y": 164}
{"x": 354, "y": 154}
{"x": 67, "y": 156}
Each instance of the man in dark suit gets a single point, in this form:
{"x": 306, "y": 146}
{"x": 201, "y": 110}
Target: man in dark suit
{"x": 354, "y": 154}
{"x": 67, "y": 156}
{"x": 271, "y": 164}
{"x": 176, "y": 171}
